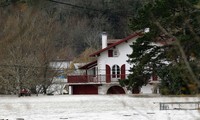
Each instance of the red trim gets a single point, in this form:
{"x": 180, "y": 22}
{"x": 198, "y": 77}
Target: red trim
{"x": 123, "y": 71}
{"x": 117, "y": 43}
{"x": 108, "y": 77}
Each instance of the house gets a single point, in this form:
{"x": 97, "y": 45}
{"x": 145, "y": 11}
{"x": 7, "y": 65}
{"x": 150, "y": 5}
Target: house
{"x": 59, "y": 81}
{"x": 101, "y": 76}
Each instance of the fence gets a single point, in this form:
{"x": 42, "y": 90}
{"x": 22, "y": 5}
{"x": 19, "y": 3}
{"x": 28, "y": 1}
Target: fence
{"x": 179, "y": 105}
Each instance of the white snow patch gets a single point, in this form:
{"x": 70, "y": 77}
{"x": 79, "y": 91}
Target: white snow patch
{"x": 93, "y": 107}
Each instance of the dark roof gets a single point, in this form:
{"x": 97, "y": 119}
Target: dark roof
{"x": 117, "y": 43}
{"x": 89, "y": 65}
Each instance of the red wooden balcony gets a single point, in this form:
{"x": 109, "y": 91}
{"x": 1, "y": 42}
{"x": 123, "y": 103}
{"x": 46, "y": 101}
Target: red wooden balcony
{"x": 91, "y": 78}
{"x": 84, "y": 79}
{"x": 98, "y": 79}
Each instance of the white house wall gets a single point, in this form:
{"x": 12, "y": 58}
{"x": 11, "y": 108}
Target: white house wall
{"x": 124, "y": 49}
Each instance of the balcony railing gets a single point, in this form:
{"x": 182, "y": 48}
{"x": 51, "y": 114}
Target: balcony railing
{"x": 98, "y": 79}
{"x": 90, "y": 78}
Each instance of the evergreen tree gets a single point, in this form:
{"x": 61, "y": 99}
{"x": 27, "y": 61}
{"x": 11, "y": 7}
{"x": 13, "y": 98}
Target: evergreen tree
{"x": 175, "y": 26}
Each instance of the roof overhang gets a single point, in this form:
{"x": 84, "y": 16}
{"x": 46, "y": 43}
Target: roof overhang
{"x": 137, "y": 34}
{"x": 89, "y": 65}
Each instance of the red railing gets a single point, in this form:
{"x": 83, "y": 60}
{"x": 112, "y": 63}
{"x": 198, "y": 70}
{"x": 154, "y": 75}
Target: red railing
{"x": 90, "y": 78}
{"x": 84, "y": 79}
{"x": 96, "y": 79}
{"x": 77, "y": 79}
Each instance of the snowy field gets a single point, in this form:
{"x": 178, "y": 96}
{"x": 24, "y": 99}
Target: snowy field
{"x": 93, "y": 107}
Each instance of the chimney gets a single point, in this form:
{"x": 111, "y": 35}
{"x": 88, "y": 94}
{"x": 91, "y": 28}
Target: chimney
{"x": 104, "y": 40}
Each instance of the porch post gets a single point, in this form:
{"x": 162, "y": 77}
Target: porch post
{"x": 70, "y": 90}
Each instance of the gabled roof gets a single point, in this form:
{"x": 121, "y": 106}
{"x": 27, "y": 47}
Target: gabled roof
{"x": 117, "y": 43}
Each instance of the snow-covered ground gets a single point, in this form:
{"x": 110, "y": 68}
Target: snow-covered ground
{"x": 93, "y": 107}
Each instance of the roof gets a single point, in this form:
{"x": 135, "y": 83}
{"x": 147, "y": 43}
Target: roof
{"x": 89, "y": 65}
{"x": 117, "y": 43}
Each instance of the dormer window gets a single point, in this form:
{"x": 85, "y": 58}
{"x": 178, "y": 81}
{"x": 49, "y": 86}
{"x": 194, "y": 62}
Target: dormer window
{"x": 113, "y": 53}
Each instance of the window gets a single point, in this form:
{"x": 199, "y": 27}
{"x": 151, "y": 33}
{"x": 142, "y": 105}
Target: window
{"x": 115, "y": 71}
{"x": 113, "y": 53}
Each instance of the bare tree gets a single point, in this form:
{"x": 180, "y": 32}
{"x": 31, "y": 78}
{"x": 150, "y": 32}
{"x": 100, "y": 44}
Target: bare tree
{"x": 16, "y": 55}
{"x": 28, "y": 46}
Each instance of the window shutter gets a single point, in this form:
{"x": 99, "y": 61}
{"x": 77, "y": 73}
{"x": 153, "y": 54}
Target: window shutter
{"x": 123, "y": 71}
{"x": 108, "y": 76}
{"x": 110, "y": 53}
